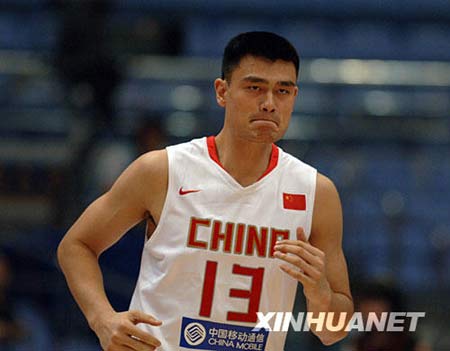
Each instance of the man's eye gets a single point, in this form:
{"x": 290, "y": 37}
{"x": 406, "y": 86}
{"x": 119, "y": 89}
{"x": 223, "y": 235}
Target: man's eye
{"x": 253, "y": 87}
{"x": 284, "y": 91}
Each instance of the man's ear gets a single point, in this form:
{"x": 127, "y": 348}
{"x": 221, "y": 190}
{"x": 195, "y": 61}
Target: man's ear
{"x": 220, "y": 85}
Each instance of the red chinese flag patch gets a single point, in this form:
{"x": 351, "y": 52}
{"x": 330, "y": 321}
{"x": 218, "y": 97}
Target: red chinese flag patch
{"x": 294, "y": 201}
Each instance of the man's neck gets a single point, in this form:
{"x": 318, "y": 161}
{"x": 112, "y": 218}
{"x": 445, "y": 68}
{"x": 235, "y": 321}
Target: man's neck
{"x": 245, "y": 161}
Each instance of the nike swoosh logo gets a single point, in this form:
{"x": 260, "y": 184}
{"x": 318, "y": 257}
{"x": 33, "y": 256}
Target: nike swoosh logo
{"x": 184, "y": 192}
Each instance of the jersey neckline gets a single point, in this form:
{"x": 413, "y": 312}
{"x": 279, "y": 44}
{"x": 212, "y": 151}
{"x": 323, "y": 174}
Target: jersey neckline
{"x": 213, "y": 154}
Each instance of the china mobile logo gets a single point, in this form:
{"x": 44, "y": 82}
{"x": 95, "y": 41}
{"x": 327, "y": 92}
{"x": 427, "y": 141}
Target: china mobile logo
{"x": 194, "y": 333}
{"x": 387, "y": 321}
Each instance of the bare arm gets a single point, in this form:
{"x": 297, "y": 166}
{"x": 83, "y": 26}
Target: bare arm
{"x": 320, "y": 263}
{"x": 139, "y": 190}
{"x": 326, "y": 235}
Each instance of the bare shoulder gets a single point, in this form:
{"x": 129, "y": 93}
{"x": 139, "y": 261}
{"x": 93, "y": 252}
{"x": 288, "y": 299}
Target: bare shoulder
{"x": 144, "y": 181}
{"x": 327, "y": 215}
{"x": 325, "y": 188}
{"x": 147, "y": 169}
{"x": 153, "y": 163}
{"x": 152, "y": 170}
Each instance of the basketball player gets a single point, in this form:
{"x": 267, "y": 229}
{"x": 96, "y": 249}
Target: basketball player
{"x": 240, "y": 224}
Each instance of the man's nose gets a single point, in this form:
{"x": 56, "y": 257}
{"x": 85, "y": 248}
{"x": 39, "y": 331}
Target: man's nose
{"x": 268, "y": 105}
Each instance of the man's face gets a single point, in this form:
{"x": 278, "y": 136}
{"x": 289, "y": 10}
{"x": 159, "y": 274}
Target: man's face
{"x": 258, "y": 98}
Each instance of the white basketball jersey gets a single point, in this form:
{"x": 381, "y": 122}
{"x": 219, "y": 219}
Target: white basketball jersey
{"x": 209, "y": 268}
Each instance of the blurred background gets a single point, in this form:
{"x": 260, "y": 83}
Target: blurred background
{"x": 87, "y": 86}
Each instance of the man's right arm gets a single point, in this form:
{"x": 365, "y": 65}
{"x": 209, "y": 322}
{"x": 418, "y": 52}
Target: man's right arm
{"x": 139, "y": 190}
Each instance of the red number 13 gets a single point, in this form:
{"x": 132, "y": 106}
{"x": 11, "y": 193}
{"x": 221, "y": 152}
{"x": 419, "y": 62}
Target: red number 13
{"x": 253, "y": 295}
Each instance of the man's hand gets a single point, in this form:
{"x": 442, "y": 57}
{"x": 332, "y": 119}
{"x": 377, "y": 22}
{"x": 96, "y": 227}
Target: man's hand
{"x": 118, "y": 332}
{"x": 307, "y": 265}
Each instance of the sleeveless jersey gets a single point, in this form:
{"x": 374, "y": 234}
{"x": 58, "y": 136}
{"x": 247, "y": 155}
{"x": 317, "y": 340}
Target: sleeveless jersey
{"x": 208, "y": 267}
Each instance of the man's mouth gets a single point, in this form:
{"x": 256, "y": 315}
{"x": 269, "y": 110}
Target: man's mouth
{"x": 264, "y": 120}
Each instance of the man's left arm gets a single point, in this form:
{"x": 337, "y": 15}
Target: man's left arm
{"x": 319, "y": 263}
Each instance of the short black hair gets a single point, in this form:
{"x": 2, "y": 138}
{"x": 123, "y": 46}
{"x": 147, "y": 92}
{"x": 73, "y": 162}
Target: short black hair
{"x": 267, "y": 45}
